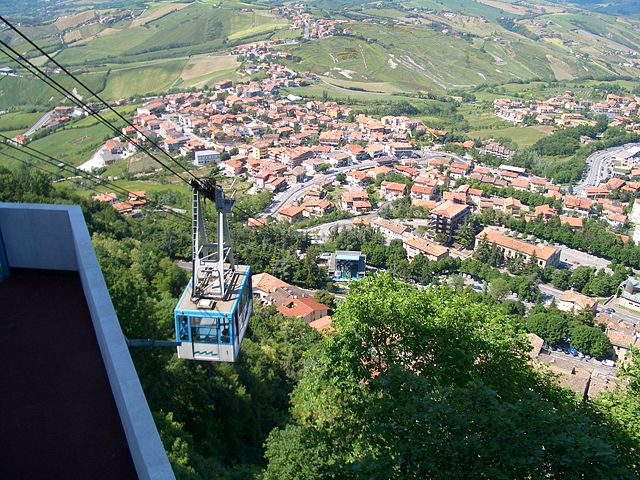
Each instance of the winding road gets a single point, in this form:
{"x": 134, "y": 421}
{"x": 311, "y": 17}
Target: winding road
{"x": 293, "y": 193}
{"x": 598, "y": 167}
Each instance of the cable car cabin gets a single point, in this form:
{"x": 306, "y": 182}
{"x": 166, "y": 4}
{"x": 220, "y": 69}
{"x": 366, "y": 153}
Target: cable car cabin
{"x": 212, "y": 330}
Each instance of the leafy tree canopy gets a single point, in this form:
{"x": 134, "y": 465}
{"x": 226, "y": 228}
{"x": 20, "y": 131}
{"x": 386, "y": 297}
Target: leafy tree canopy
{"x": 429, "y": 384}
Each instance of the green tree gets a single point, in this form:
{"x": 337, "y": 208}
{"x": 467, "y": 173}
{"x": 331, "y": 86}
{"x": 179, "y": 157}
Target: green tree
{"x": 466, "y": 234}
{"x": 551, "y": 325}
{"x": 499, "y": 288}
{"x": 620, "y": 410}
{"x": 409, "y": 368}
{"x": 589, "y": 340}
{"x": 327, "y": 298}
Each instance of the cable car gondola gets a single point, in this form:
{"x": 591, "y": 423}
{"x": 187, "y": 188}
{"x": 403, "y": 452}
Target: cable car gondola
{"x": 212, "y": 315}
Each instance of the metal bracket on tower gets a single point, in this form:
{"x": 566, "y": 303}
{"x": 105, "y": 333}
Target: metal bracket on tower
{"x": 213, "y": 263}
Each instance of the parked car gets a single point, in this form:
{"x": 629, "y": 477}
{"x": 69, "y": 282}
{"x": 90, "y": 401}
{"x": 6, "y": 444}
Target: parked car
{"x": 608, "y": 363}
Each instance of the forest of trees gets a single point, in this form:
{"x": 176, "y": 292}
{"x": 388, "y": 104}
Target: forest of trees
{"x": 415, "y": 383}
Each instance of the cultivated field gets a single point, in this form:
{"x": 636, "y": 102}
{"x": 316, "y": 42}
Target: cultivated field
{"x": 199, "y": 66}
{"x": 157, "y": 12}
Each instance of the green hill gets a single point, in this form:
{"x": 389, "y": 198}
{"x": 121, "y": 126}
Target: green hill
{"x": 430, "y": 45}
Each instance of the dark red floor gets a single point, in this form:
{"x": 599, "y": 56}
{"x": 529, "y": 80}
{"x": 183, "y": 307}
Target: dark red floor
{"x": 58, "y": 418}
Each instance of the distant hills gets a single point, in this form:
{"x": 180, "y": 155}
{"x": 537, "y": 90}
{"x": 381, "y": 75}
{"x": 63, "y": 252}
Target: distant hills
{"x": 137, "y": 47}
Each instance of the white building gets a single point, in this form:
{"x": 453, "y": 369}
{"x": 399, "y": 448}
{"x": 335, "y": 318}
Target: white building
{"x": 202, "y": 157}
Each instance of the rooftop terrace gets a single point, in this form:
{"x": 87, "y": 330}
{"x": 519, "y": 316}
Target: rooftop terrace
{"x": 61, "y": 420}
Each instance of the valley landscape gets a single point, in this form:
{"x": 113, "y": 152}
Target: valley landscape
{"x": 433, "y": 208}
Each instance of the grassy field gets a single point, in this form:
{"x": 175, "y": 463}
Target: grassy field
{"x": 254, "y": 23}
{"x": 318, "y": 90}
{"x": 522, "y": 136}
{"x": 143, "y": 80}
{"x": 417, "y": 58}
{"x": 18, "y": 121}
{"x": 200, "y": 69}
{"x": 173, "y": 30}
{"x": 156, "y": 12}
{"x": 26, "y": 91}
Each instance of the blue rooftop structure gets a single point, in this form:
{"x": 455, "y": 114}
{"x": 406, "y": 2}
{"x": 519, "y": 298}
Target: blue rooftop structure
{"x": 346, "y": 265}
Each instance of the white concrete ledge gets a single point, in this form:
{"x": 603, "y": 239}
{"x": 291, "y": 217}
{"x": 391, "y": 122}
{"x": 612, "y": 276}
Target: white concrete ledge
{"x": 55, "y": 237}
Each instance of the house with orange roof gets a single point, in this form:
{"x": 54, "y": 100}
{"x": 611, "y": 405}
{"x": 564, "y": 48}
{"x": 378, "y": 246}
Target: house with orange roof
{"x": 573, "y": 222}
{"x": 545, "y": 255}
{"x": 571, "y": 301}
{"x": 105, "y": 197}
{"x": 421, "y": 192}
{"x": 256, "y": 222}
{"x": 399, "y": 149}
{"x": 455, "y": 196}
{"x": 316, "y": 207}
{"x": 595, "y": 192}
{"x": 231, "y": 168}
{"x": 355, "y": 152}
{"x": 407, "y": 171}
{"x": 356, "y": 201}
{"x": 357, "y": 178}
{"x": 306, "y": 308}
{"x": 616, "y": 183}
{"x": 510, "y": 205}
{"x": 520, "y": 183}
{"x": 330, "y": 137}
{"x": 123, "y": 208}
{"x": 581, "y": 206}
{"x": 538, "y": 184}
{"x": 290, "y": 214}
{"x": 545, "y": 211}
{"x": 114, "y": 146}
{"x": 391, "y": 190}
{"x": 381, "y": 170}
{"x": 264, "y": 284}
{"x": 276, "y": 184}
{"x": 415, "y": 245}
{"x": 616, "y": 219}
{"x": 375, "y": 150}
{"x": 447, "y": 217}
{"x": 323, "y": 325}
{"x": 631, "y": 187}
{"x": 390, "y": 230}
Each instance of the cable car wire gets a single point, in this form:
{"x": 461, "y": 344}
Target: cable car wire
{"x": 26, "y": 63}
{"x": 94, "y": 94}
{"x": 55, "y": 163}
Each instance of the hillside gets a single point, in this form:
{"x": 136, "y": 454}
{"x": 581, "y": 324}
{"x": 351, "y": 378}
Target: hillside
{"x": 428, "y": 45}
{"x": 145, "y": 48}
{"x": 139, "y": 48}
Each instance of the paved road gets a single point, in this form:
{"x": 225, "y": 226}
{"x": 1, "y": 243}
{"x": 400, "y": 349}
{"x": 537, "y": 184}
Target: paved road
{"x": 627, "y": 317}
{"x": 598, "y": 167}
{"x": 293, "y": 193}
{"x": 39, "y": 123}
{"x": 574, "y": 258}
{"x": 321, "y": 232}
